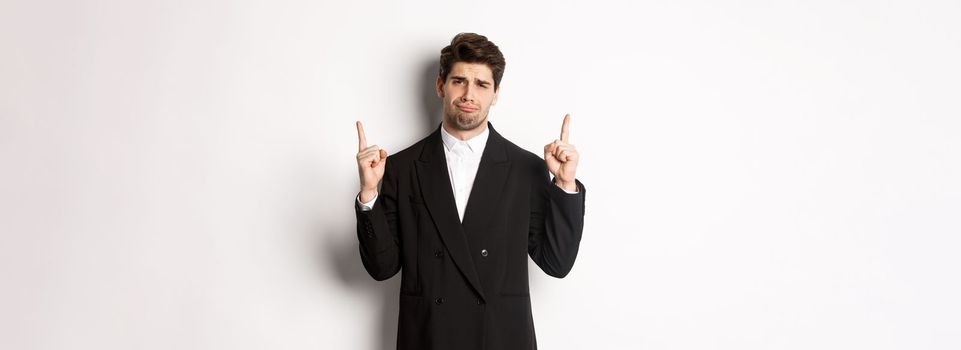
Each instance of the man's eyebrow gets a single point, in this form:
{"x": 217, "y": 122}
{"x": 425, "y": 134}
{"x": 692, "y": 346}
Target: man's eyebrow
{"x": 477, "y": 80}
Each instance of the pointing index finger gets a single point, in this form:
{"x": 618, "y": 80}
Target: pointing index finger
{"x": 565, "y": 127}
{"x": 361, "y": 138}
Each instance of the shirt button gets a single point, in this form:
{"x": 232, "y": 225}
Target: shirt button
{"x": 439, "y": 301}
{"x": 478, "y": 301}
{"x": 438, "y": 254}
{"x": 483, "y": 252}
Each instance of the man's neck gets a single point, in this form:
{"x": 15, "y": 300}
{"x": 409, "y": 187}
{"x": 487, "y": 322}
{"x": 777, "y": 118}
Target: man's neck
{"x": 465, "y": 135}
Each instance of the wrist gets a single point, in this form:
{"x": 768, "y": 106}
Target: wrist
{"x": 367, "y": 194}
{"x": 570, "y": 186}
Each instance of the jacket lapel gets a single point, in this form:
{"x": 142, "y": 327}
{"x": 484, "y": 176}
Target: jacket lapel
{"x": 436, "y": 188}
{"x": 486, "y": 192}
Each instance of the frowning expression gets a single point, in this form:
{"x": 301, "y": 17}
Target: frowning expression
{"x": 468, "y": 93}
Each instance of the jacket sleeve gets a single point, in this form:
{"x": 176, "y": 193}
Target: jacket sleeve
{"x": 377, "y": 230}
{"x": 556, "y": 224}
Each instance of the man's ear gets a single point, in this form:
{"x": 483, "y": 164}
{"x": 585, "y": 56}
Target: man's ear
{"x": 497, "y": 92}
{"x": 439, "y": 86}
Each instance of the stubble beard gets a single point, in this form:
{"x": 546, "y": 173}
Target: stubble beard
{"x": 465, "y": 122}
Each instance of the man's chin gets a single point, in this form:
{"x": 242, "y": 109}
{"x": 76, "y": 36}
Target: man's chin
{"x": 467, "y": 123}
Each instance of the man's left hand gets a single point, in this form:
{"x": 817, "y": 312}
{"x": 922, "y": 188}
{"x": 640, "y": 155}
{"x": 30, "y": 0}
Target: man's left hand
{"x": 561, "y": 158}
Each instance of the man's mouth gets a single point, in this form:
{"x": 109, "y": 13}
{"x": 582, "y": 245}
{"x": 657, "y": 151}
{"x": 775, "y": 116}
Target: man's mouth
{"x": 467, "y": 108}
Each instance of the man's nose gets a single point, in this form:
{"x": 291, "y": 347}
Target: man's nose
{"x": 468, "y": 94}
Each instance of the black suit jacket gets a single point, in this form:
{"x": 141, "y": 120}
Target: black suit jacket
{"x": 464, "y": 285}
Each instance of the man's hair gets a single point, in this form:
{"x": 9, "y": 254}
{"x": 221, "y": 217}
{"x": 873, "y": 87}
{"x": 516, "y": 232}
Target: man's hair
{"x": 472, "y": 48}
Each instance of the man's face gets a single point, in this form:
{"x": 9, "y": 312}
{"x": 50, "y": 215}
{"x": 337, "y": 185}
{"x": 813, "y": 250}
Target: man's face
{"x": 468, "y": 95}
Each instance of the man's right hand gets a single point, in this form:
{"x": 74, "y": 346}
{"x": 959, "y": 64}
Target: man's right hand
{"x": 370, "y": 164}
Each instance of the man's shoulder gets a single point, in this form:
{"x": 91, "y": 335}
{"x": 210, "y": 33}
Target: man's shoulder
{"x": 522, "y": 157}
{"x": 411, "y": 153}
{"x": 518, "y": 153}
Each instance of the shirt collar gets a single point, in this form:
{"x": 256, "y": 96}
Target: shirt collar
{"x": 475, "y": 144}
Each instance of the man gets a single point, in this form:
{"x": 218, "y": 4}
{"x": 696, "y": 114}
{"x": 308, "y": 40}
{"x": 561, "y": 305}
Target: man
{"x": 460, "y": 210}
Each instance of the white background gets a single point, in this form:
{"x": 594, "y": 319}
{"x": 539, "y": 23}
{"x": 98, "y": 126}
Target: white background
{"x": 760, "y": 175}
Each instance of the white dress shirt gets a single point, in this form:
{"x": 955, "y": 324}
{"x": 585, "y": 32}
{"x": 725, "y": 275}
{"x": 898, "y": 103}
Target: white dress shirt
{"x": 463, "y": 160}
